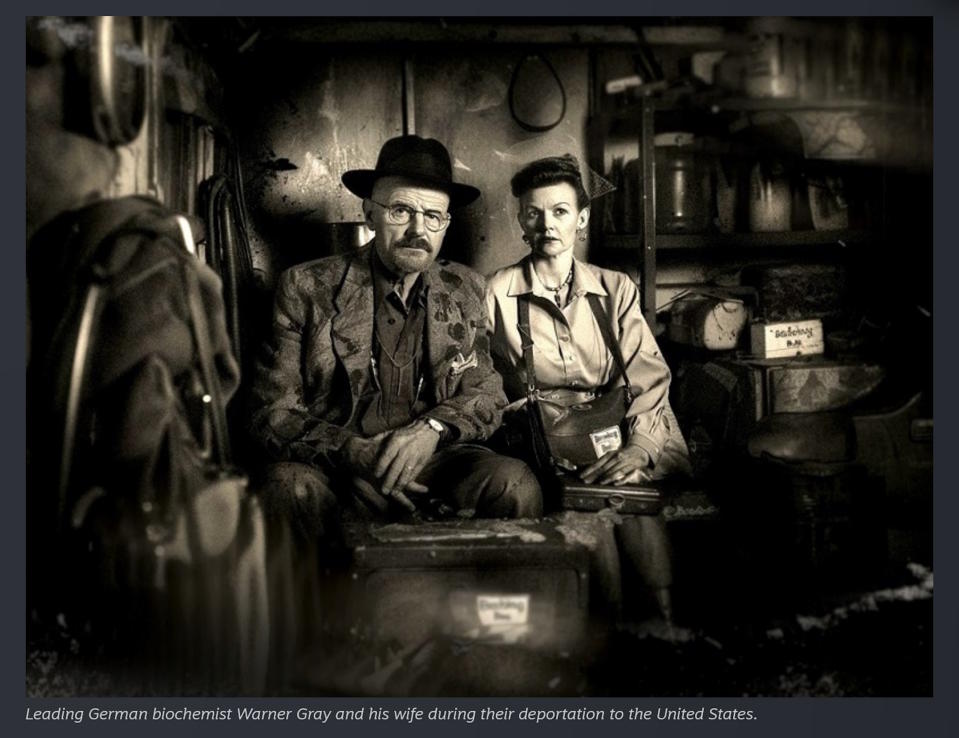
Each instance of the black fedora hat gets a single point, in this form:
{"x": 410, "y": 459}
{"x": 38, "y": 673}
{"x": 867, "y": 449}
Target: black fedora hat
{"x": 419, "y": 159}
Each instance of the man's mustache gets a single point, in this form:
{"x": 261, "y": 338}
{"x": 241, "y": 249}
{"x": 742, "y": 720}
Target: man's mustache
{"x": 414, "y": 243}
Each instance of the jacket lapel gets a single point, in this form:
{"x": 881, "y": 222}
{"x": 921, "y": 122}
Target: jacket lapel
{"x": 352, "y": 325}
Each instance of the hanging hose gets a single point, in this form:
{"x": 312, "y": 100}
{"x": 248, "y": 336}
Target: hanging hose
{"x": 228, "y": 253}
{"x": 512, "y": 91}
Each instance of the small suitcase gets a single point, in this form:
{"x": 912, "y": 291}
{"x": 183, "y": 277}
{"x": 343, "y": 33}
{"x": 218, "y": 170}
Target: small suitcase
{"x": 492, "y": 581}
{"x": 629, "y": 499}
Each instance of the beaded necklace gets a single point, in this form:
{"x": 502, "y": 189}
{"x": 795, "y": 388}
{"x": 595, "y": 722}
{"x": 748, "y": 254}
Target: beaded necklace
{"x": 556, "y": 290}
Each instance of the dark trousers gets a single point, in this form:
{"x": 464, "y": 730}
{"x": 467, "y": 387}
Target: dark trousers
{"x": 468, "y": 478}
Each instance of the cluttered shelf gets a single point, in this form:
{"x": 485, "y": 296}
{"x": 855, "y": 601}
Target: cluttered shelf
{"x": 672, "y": 241}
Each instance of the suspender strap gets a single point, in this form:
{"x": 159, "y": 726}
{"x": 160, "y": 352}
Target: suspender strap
{"x": 201, "y": 335}
{"x": 606, "y": 328}
{"x": 526, "y": 335}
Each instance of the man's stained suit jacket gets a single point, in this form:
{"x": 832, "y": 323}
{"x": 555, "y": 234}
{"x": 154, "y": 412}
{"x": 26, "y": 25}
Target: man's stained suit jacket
{"x": 317, "y": 362}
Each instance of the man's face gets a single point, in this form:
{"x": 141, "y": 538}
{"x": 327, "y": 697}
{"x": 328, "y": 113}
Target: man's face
{"x": 410, "y": 247}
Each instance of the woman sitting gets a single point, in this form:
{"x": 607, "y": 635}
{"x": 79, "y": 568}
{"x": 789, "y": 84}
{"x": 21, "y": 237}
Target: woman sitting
{"x": 570, "y": 358}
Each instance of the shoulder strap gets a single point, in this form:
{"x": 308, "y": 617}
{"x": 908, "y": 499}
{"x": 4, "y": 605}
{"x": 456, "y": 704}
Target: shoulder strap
{"x": 526, "y": 336}
{"x": 605, "y": 327}
{"x": 86, "y": 338}
{"x": 201, "y": 335}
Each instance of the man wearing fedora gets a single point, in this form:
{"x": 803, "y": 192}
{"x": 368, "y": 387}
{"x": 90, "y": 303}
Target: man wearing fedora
{"x": 377, "y": 385}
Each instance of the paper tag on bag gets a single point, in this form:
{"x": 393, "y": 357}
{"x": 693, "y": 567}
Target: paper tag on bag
{"x": 606, "y": 440}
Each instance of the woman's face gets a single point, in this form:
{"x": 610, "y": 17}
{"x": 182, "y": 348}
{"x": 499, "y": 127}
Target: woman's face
{"x": 550, "y": 218}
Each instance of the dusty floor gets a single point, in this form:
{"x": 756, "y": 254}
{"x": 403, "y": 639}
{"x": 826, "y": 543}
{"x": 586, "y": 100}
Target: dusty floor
{"x": 867, "y": 643}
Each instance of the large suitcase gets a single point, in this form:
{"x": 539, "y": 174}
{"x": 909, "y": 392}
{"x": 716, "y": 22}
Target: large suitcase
{"x": 493, "y": 581}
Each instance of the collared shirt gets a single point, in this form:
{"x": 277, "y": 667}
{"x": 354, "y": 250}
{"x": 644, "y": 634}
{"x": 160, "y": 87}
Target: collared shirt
{"x": 397, "y": 352}
{"x": 569, "y": 351}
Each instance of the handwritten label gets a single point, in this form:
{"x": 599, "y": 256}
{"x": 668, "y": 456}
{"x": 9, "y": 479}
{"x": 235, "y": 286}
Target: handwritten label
{"x": 606, "y": 440}
{"x": 502, "y": 609}
{"x": 778, "y": 340}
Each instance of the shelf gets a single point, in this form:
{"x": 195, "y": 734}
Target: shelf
{"x": 711, "y": 103}
{"x": 785, "y": 104}
{"x": 669, "y": 241}
{"x": 710, "y": 111}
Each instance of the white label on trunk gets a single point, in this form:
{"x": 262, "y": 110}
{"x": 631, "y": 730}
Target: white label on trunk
{"x": 502, "y": 609}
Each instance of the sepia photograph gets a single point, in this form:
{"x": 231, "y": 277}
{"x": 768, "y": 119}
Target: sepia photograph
{"x": 436, "y": 357}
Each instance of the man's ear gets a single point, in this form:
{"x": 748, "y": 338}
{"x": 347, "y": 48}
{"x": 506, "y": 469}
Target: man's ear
{"x": 368, "y": 213}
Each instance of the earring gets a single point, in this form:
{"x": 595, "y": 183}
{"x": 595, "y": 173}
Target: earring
{"x": 582, "y": 234}
{"x": 526, "y": 239}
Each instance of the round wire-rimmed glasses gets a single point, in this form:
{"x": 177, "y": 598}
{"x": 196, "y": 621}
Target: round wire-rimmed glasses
{"x": 399, "y": 214}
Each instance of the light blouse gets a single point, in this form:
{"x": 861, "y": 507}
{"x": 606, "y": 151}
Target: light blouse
{"x": 569, "y": 351}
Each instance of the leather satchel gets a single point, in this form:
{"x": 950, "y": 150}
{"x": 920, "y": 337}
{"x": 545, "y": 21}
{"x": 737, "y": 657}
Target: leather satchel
{"x": 579, "y": 434}
{"x": 571, "y": 434}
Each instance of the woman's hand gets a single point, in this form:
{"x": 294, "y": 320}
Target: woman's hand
{"x": 628, "y": 465}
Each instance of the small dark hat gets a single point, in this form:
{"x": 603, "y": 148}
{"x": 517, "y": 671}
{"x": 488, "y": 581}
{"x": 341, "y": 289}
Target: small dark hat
{"x": 423, "y": 160}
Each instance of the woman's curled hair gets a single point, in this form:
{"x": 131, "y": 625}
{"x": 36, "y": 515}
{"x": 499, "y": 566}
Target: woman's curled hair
{"x": 549, "y": 171}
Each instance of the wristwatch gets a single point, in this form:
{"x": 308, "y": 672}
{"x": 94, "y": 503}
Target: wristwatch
{"x": 435, "y": 425}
